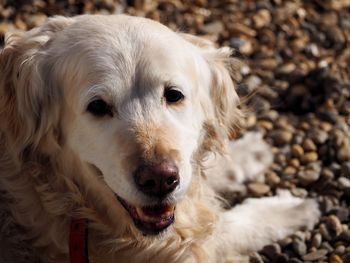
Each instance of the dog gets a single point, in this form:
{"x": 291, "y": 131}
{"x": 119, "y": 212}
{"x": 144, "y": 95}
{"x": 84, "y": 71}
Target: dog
{"x": 123, "y": 123}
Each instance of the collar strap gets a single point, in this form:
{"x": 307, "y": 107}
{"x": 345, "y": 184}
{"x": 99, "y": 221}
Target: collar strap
{"x": 78, "y": 241}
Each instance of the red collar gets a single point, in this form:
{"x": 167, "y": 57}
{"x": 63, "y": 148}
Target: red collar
{"x": 78, "y": 241}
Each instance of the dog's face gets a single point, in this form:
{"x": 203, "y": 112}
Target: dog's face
{"x": 137, "y": 102}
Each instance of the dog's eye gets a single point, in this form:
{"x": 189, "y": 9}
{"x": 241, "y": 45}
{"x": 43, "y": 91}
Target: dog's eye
{"x": 99, "y": 108}
{"x": 173, "y": 95}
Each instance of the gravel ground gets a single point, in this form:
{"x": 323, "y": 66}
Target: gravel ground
{"x": 296, "y": 63}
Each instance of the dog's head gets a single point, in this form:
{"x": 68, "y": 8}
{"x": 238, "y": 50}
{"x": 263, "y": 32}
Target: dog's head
{"x": 129, "y": 97}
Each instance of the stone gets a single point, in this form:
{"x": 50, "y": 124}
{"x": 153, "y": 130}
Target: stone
{"x": 272, "y": 178}
{"x": 309, "y": 145}
{"x": 345, "y": 168}
{"x": 213, "y": 27}
{"x": 294, "y": 260}
{"x": 334, "y": 224}
{"x": 286, "y": 68}
{"x": 344, "y": 153}
{"x": 342, "y": 213}
{"x": 255, "y": 258}
{"x": 299, "y": 192}
{"x": 262, "y": 18}
{"x": 297, "y": 150}
{"x": 271, "y": 251}
{"x": 325, "y": 245}
{"x": 340, "y": 250}
{"x": 345, "y": 235}
{"x": 299, "y": 247}
{"x": 294, "y": 162}
{"x": 325, "y": 233}
{"x": 309, "y": 157}
{"x": 344, "y": 183}
{"x": 285, "y": 241}
{"x": 336, "y": 259}
{"x": 327, "y": 174}
{"x": 318, "y": 136}
{"x": 317, "y": 255}
{"x": 258, "y": 188}
{"x": 244, "y": 46}
{"x": 281, "y": 137}
{"x": 253, "y": 82}
{"x": 307, "y": 177}
{"x": 267, "y": 125}
{"x": 316, "y": 240}
{"x": 289, "y": 170}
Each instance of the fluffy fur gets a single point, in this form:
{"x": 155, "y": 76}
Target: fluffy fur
{"x": 58, "y": 162}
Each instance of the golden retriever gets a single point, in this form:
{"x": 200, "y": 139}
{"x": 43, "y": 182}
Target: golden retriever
{"x": 115, "y": 120}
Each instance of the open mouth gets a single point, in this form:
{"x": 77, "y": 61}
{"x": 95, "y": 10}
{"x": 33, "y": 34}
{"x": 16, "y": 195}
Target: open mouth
{"x": 151, "y": 220}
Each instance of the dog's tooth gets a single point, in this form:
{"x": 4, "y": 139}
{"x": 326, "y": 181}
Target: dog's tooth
{"x": 139, "y": 211}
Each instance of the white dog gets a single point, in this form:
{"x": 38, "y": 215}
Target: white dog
{"x": 111, "y": 120}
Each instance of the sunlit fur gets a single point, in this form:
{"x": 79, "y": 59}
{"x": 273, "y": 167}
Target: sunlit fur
{"x": 58, "y": 162}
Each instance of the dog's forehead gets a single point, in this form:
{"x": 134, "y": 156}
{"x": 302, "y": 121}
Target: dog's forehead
{"x": 121, "y": 51}
{"x": 132, "y": 38}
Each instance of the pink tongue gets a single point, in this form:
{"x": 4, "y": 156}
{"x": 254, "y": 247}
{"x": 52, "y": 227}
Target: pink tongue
{"x": 155, "y": 211}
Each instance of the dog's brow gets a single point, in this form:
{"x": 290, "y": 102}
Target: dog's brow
{"x": 98, "y": 91}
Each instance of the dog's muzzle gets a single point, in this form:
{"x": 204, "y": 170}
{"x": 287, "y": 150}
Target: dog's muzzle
{"x": 150, "y": 220}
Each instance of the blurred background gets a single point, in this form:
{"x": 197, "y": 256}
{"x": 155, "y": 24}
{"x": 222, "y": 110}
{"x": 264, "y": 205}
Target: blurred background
{"x": 296, "y": 61}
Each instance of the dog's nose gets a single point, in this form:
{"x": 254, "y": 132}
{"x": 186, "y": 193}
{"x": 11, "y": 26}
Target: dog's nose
{"x": 157, "y": 179}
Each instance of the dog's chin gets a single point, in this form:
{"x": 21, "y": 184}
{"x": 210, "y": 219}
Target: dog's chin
{"x": 150, "y": 220}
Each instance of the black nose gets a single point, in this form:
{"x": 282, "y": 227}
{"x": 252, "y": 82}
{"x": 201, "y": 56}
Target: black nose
{"x": 157, "y": 179}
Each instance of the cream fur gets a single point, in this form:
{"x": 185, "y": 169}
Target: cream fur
{"x": 58, "y": 162}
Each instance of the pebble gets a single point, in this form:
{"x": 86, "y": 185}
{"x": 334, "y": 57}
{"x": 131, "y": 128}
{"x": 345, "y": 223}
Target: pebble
{"x": 281, "y": 137}
{"x": 242, "y": 45}
{"x": 309, "y": 145}
{"x": 325, "y": 233}
{"x": 262, "y": 18}
{"x": 294, "y": 162}
{"x": 255, "y": 258}
{"x": 318, "y": 136}
{"x": 327, "y": 174}
{"x": 294, "y": 260}
{"x": 253, "y": 82}
{"x": 299, "y": 247}
{"x": 336, "y": 259}
{"x": 344, "y": 183}
{"x": 212, "y": 28}
{"x": 316, "y": 240}
{"x": 297, "y": 150}
{"x": 345, "y": 235}
{"x": 289, "y": 170}
{"x": 308, "y": 176}
{"x": 309, "y": 157}
{"x": 344, "y": 153}
{"x": 285, "y": 242}
{"x": 271, "y": 251}
{"x": 272, "y": 178}
{"x": 325, "y": 245}
{"x": 340, "y": 250}
{"x": 345, "y": 168}
{"x": 299, "y": 192}
{"x": 317, "y": 255}
{"x": 281, "y": 258}
{"x": 258, "y": 188}
{"x": 267, "y": 125}
{"x": 334, "y": 224}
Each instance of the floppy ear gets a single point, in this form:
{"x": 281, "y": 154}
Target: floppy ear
{"x": 225, "y": 117}
{"x": 26, "y": 100}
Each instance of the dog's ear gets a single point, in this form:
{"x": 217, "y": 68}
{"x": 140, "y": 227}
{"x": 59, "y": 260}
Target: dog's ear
{"x": 225, "y": 117}
{"x": 25, "y": 100}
